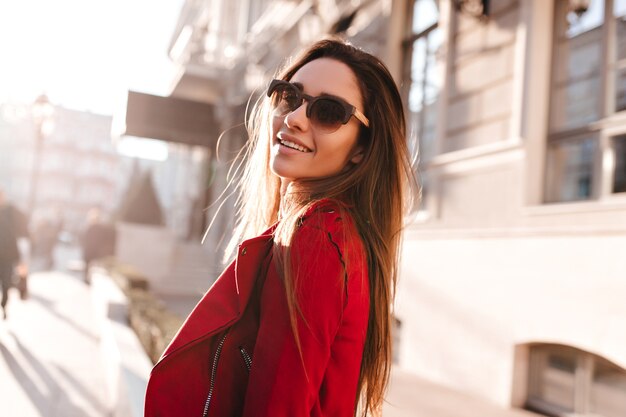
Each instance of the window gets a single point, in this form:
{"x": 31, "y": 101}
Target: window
{"x": 564, "y": 381}
{"x": 607, "y": 396}
{"x": 619, "y": 156}
{"x": 588, "y": 97}
{"x": 570, "y": 168}
{"x": 422, "y": 82}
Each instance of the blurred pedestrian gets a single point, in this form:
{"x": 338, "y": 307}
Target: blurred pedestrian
{"x": 24, "y": 245}
{"x": 97, "y": 240}
{"x": 299, "y": 324}
{"x": 12, "y": 226}
{"x": 45, "y": 236}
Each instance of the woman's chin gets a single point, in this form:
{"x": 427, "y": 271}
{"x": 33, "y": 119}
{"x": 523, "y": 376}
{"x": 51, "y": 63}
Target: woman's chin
{"x": 284, "y": 172}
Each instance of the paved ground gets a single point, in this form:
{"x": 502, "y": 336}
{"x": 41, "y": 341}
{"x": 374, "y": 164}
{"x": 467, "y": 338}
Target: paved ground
{"x": 410, "y": 396}
{"x": 49, "y": 352}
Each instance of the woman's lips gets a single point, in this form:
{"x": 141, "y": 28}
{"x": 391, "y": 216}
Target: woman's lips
{"x": 294, "y": 146}
{"x": 291, "y": 142}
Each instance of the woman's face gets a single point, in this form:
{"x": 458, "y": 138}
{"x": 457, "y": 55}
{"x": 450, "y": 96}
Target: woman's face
{"x": 319, "y": 154}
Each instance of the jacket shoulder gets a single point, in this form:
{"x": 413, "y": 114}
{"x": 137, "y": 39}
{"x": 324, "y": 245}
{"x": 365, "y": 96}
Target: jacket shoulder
{"x": 329, "y": 216}
{"x": 330, "y": 223}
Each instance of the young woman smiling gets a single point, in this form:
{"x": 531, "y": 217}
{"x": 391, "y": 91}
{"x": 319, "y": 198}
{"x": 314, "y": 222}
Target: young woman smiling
{"x": 299, "y": 323}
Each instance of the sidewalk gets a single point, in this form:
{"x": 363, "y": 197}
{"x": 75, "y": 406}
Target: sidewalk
{"x": 410, "y": 396}
{"x": 49, "y": 352}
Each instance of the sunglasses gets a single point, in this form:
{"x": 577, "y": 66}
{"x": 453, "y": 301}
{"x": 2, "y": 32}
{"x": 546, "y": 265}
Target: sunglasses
{"x": 327, "y": 113}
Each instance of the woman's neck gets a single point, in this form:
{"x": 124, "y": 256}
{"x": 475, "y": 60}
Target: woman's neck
{"x": 284, "y": 185}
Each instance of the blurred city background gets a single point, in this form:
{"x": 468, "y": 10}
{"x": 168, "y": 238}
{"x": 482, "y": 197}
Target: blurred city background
{"x": 511, "y": 300}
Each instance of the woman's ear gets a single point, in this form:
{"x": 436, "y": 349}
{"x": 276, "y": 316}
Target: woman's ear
{"x": 357, "y": 154}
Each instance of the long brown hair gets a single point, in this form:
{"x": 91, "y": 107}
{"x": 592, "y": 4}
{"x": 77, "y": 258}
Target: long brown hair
{"x": 385, "y": 169}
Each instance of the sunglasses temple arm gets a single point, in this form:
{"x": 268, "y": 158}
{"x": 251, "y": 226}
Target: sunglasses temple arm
{"x": 361, "y": 117}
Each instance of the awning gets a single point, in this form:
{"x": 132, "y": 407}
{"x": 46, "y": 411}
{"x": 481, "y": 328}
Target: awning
{"x": 170, "y": 119}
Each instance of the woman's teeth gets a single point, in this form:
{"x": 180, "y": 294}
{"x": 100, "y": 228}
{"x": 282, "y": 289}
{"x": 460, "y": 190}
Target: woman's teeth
{"x": 292, "y": 145}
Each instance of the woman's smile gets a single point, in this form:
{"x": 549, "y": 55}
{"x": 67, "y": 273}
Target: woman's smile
{"x": 284, "y": 140}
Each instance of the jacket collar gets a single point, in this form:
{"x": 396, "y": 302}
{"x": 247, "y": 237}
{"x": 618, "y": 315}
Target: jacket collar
{"x": 227, "y": 298}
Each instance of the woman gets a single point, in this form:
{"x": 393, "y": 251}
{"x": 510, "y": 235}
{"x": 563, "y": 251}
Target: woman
{"x": 299, "y": 323}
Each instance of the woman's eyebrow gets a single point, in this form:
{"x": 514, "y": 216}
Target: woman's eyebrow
{"x": 300, "y": 87}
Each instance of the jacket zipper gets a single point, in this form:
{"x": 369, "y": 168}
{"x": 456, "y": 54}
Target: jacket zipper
{"x": 216, "y": 358}
{"x": 246, "y": 358}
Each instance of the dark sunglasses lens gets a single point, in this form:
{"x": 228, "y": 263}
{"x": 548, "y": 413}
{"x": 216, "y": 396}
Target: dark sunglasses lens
{"x": 285, "y": 98}
{"x": 327, "y": 114}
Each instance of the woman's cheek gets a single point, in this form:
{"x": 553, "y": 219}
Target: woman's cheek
{"x": 276, "y": 125}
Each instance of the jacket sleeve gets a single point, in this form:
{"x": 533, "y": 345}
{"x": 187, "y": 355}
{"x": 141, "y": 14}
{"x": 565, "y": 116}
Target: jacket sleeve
{"x": 283, "y": 383}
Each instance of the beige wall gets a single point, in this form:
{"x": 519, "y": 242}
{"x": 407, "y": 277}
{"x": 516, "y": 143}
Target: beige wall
{"x": 466, "y": 303}
{"x": 481, "y": 80}
{"x": 478, "y": 139}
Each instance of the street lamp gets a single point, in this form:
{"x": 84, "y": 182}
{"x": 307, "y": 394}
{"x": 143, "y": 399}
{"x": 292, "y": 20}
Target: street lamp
{"x": 42, "y": 118}
{"x": 579, "y": 7}
{"x": 475, "y": 8}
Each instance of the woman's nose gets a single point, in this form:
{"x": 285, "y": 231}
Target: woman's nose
{"x": 297, "y": 119}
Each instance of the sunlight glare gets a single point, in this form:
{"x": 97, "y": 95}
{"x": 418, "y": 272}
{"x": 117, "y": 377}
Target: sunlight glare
{"x": 151, "y": 149}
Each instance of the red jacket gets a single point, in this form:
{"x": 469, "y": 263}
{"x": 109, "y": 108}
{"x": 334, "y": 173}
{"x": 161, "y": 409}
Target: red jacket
{"x": 237, "y": 346}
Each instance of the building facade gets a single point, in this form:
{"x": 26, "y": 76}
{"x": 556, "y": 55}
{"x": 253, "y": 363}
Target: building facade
{"x": 512, "y": 283}
{"x": 78, "y": 167}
